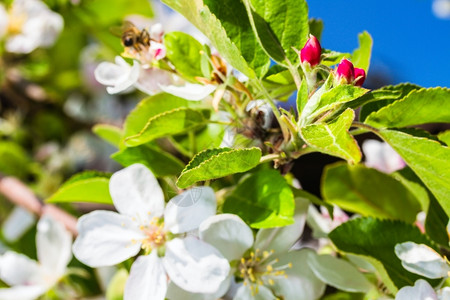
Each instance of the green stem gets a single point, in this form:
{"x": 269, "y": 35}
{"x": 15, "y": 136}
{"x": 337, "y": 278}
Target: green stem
{"x": 301, "y": 152}
{"x": 365, "y": 126}
{"x": 269, "y": 157}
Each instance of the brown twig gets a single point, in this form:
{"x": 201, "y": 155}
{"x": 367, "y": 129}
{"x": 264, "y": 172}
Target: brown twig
{"x": 18, "y": 193}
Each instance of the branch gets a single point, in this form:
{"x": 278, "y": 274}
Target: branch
{"x": 18, "y": 193}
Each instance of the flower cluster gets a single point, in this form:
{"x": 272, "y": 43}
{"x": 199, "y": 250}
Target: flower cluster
{"x": 29, "y": 24}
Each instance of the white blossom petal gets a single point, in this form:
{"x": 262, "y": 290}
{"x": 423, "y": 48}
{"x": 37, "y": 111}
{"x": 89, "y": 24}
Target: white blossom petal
{"x": 194, "y": 265}
{"x": 244, "y": 293}
{"x": 422, "y": 260}
{"x": 17, "y": 269}
{"x": 189, "y": 91}
{"x": 106, "y": 238}
{"x": 22, "y": 292}
{"x": 156, "y": 32}
{"x": 54, "y": 246}
{"x": 444, "y": 293}
{"x": 198, "y": 201}
{"x": 147, "y": 279}
{"x": 17, "y": 223}
{"x": 119, "y": 76}
{"x": 174, "y": 292}
{"x": 421, "y": 290}
{"x": 150, "y": 79}
{"x": 136, "y": 193}
{"x": 301, "y": 283}
{"x": 281, "y": 239}
{"x": 228, "y": 233}
{"x": 381, "y": 156}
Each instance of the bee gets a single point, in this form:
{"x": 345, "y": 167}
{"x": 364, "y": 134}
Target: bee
{"x": 134, "y": 38}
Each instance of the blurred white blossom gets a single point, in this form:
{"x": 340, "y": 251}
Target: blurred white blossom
{"x": 381, "y": 156}
{"x": 31, "y": 25}
{"x": 441, "y": 8}
{"x": 30, "y": 279}
{"x": 422, "y": 290}
{"x": 144, "y": 222}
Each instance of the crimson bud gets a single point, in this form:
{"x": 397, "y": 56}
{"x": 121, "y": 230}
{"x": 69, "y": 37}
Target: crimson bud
{"x": 311, "y": 51}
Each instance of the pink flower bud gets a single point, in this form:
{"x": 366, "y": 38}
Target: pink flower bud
{"x": 360, "y": 76}
{"x": 157, "y": 50}
{"x": 345, "y": 71}
{"x": 156, "y": 32}
{"x": 311, "y": 51}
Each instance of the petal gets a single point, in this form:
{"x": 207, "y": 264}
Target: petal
{"x": 18, "y": 269}
{"x": 228, "y": 233}
{"x": 106, "y": 238}
{"x": 194, "y": 265}
{"x": 421, "y": 259}
{"x": 17, "y": 223}
{"x": 244, "y": 293}
{"x": 108, "y": 73}
{"x": 198, "y": 201}
{"x": 281, "y": 239}
{"x": 174, "y": 292}
{"x": 136, "y": 193}
{"x": 54, "y": 245}
{"x": 189, "y": 91}
{"x": 150, "y": 79}
{"x": 301, "y": 283}
{"x": 147, "y": 279}
{"x": 127, "y": 80}
{"x": 22, "y": 292}
{"x": 421, "y": 290}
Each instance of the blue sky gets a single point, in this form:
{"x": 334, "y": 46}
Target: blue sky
{"x": 410, "y": 43}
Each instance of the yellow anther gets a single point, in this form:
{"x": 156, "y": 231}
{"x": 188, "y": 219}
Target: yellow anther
{"x": 266, "y": 254}
{"x": 269, "y": 268}
{"x": 242, "y": 260}
{"x": 290, "y": 265}
{"x": 271, "y": 282}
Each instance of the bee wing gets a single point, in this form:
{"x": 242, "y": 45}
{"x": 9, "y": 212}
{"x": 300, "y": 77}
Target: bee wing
{"x": 119, "y": 30}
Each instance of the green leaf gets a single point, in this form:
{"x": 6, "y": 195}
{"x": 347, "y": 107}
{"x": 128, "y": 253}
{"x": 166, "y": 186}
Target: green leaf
{"x": 445, "y": 137}
{"x": 427, "y": 158}
{"x": 217, "y": 163}
{"x": 436, "y": 220}
{"x": 263, "y": 200}
{"x": 418, "y": 107}
{"x": 279, "y": 26}
{"x": 160, "y": 162}
{"x": 110, "y": 12}
{"x": 368, "y": 192}
{"x": 302, "y": 96}
{"x": 150, "y": 107}
{"x": 183, "y": 51}
{"x": 375, "y": 239}
{"x": 14, "y": 160}
{"x": 338, "y": 273}
{"x": 334, "y": 138}
{"x": 376, "y": 99}
{"x": 361, "y": 56}
{"x": 89, "y": 186}
{"x": 226, "y": 25}
{"x": 330, "y": 58}
{"x": 331, "y": 100}
{"x": 171, "y": 122}
{"x": 316, "y": 27}
{"x": 116, "y": 286}
{"x": 109, "y": 133}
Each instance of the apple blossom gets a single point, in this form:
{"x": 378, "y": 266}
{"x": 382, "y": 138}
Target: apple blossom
{"x": 121, "y": 77}
{"x": 381, "y": 156}
{"x": 311, "y": 52}
{"x": 360, "y": 76}
{"x": 422, "y": 290}
{"x": 145, "y": 223}
{"x": 30, "y": 279}
{"x": 31, "y": 25}
{"x": 264, "y": 266}
{"x": 345, "y": 72}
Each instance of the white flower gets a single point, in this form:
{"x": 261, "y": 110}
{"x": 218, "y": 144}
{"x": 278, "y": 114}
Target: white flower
{"x": 423, "y": 260}
{"x": 107, "y": 238}
{"x": 32, "y": 25}
{"x": 265, "y": 265}
{"x": 441, "y": 8}
{"x": 157, "y": 50}
{"x": 121, "y": 77}
{"x": 322, "y": 223}
{"x": 381, "y": 156}
{"x": 30, "y": 279}
{"x": 156, "y": 32}
{"x": 422, "y": 290}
